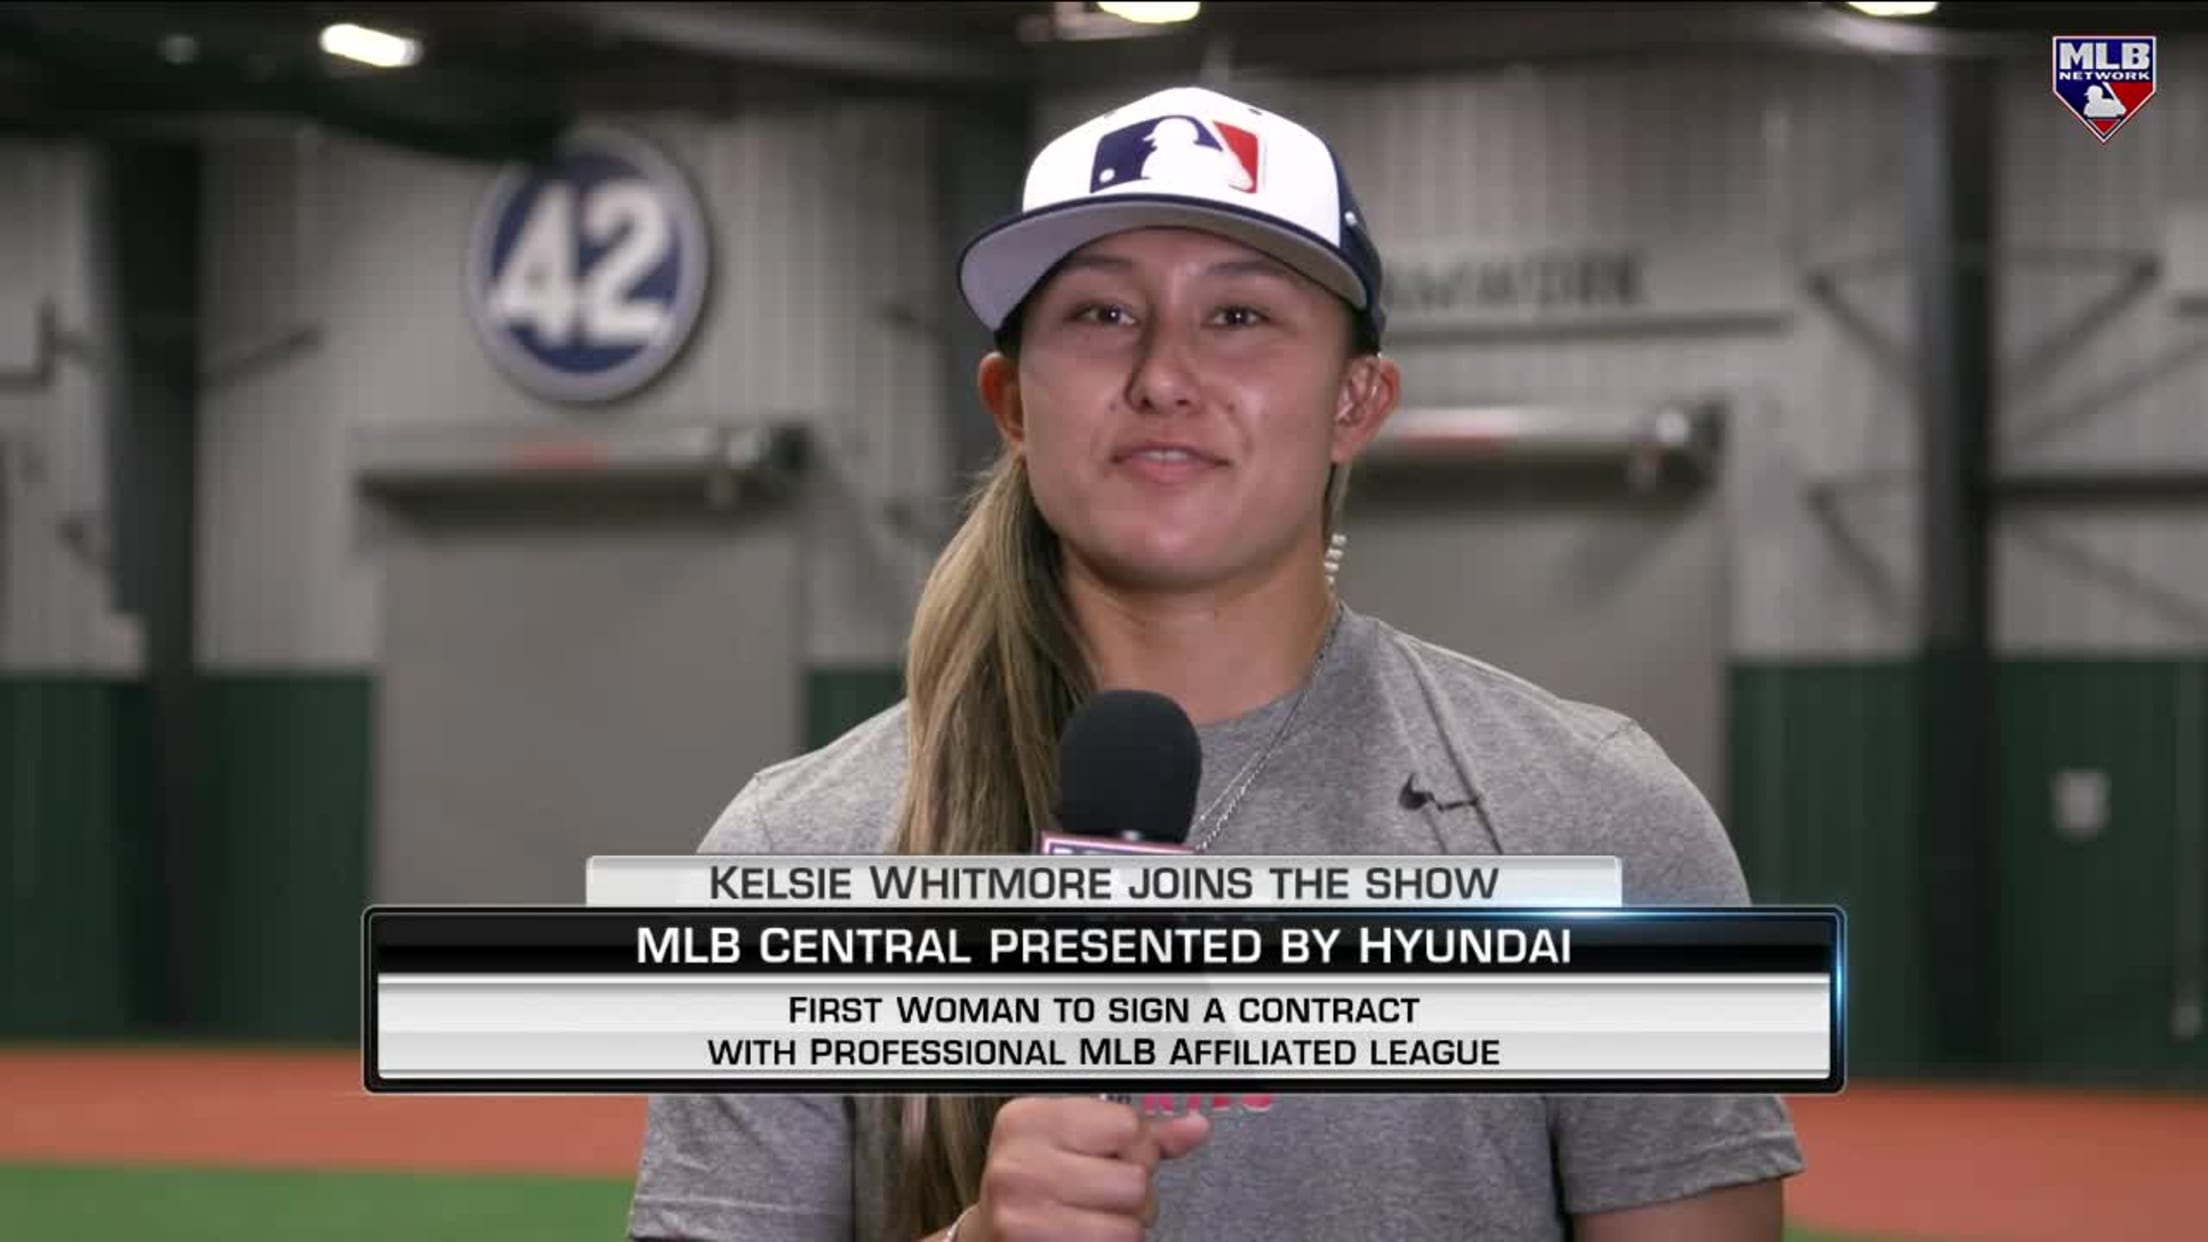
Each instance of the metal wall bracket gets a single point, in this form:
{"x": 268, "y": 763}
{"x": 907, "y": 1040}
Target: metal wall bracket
{"x": 54, "y": 344}
{"x": 1645, "y": 445}
{"x": 718, "y": 463}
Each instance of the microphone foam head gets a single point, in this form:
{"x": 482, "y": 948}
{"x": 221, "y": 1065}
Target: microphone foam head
{"x": 1128, "y": 765}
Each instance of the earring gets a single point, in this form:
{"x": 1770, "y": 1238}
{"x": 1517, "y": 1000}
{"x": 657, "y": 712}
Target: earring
{"x": 1333, "y": 561}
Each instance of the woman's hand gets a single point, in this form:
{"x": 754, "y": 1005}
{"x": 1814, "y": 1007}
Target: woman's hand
{"x": 1075, "y": 1170}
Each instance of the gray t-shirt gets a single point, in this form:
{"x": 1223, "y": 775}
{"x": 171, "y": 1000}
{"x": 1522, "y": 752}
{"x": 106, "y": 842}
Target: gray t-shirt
{"x": 1402, "y": 747}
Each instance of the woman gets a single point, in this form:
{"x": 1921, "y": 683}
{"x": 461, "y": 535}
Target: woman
{"x": 1187, "y": 362}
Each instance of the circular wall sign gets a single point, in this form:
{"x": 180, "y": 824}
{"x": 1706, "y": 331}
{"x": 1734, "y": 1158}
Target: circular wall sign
{"x": 586, "y": 274}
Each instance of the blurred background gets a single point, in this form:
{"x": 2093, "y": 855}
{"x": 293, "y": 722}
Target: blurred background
{"x": 441, "y": 442}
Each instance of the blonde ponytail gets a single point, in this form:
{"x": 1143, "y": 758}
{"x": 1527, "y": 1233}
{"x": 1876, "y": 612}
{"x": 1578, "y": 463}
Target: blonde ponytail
{"x": 992, "y": 674}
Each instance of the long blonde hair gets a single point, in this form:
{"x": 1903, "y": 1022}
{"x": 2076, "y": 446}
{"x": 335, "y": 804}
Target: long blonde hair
{"x": 994, "y": 671}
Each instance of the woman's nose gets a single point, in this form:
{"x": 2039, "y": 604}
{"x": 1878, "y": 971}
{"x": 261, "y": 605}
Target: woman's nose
{"x": 1164, "y": 381}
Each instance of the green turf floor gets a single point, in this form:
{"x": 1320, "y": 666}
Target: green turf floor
{"x": 99, "y": 1204}
{"x": 226, "y": 1205}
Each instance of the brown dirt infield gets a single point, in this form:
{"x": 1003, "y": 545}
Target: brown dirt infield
{"x": 2004, "y": 1164}
{"x": 293, "y": 1110}
{"x": 1952, "y": 1163}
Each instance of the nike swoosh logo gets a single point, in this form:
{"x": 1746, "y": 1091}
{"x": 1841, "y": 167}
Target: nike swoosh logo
{"x": 1412, "y": 797}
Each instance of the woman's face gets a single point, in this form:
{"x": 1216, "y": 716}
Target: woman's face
{"x": 1179, "y": 398}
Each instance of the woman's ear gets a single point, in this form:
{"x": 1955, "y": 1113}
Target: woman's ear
{"x": 999, "y": 382}
{"x": 1371, "y": 386}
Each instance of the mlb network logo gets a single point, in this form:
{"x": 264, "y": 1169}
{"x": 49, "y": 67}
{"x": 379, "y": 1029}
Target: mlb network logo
{"x": 2104, "y": 79}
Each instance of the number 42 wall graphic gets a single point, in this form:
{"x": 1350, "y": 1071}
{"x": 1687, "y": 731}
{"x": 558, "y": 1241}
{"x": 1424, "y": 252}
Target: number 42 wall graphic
{"x": 586, "y": 273}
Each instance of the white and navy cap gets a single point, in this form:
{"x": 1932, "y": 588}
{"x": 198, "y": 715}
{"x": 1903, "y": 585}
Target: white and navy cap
{"x": 1182, "y": 158}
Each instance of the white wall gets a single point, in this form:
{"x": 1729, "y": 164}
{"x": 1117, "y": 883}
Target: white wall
{"x": 1809, "y": 151}
{"x": 54, "y": 594}
{"x": 824, "y": 279}
{"x": 827, "y": 269}
{"x": 1774, "y": 164}
{"x": 2100, "y": 373}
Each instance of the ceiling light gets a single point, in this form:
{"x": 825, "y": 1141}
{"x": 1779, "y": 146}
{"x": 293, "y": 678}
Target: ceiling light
{"x": 1150, "y": 14}
{"x": 380, "y": 48}
{"x": 179, "y": 49}
{"x": 1899, "y": 8}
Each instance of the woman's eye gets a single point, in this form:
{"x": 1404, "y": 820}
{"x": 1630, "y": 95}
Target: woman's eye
{"x": 1241, "y": 316}
{"x": 1104, "y": 315}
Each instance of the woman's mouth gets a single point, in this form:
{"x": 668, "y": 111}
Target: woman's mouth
{"x": 1165, "y": 463}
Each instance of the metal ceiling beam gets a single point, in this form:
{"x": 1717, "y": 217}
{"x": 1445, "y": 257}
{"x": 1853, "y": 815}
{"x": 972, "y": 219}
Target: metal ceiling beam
{"x": 755, "y": 36}
{"x": 95, "y": 72}
{"x": 1390, "y": 39}
{"x": 1832, "y": 29}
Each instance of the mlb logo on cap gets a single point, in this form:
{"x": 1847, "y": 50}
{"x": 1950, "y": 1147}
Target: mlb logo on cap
{"x": 1181, "y": 158}
{"x": 2104, "y": 79}
{"x": 1176, "y": 149}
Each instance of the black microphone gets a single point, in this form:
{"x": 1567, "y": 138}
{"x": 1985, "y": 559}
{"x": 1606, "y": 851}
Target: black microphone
{"x": 1128, "y": 766}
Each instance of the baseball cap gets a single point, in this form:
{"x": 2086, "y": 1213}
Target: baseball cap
{"x": 1181, "y": 158}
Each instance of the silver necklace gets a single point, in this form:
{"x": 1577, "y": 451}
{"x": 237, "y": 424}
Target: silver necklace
{"x": 1222, "y": 807}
